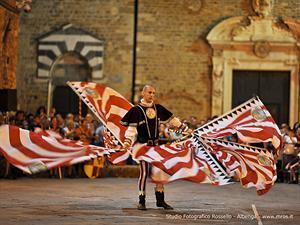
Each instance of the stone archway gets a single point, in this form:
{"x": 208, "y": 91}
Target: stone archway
{"x": 69, "y": 39}
{"x": 74, "y": 67}
{"x": 254, "y": 43}
{"x": 52, "y": 47}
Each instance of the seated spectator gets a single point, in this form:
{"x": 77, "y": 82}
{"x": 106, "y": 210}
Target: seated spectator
{"x": 77, "y": 119}
{"x": 36, "y": 123}
{"x": 288, "y": 134}
{"x": 201, "y": 123}
{"x": 45, "y": 124}
{"x": 20, "y": 120}
{"x": 69, "y": 131}
{"x": 90, "y": 123}
{"x": 289, "y": 151}
{"x": 193, "y": 122}
{"x": 11, "y": 118}
{"x": 164, "y": 137}
{"x": 30, "y": 120}
{"x": 84, "y": 133}
{"x": 60, "y": 122}
{"x": 70, "y": 117}
{"x": 54, "y": 125}
{"x": 52, "y": 112}
{"x": 98, "y": 135}
{"x": 42, "y": 112}
{"x": 296, "y": 125}
{"x": 292, "y": 166}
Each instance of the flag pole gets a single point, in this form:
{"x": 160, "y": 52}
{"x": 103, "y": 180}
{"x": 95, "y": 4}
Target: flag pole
{"x": 49, "y": 96}
{"x": 93, "y": 110}
{"x": 79, "y": 109}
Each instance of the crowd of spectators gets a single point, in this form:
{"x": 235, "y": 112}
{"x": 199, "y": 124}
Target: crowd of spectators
{"x": 289, "y": 160}
{"x": 85, "y": 129}
{"x": 88, "y": 130}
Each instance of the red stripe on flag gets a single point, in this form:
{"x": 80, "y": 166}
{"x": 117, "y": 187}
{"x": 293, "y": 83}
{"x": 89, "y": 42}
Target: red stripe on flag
{"x": 15, "y": 141}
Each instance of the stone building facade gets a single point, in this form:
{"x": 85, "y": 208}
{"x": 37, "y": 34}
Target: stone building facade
{"x": 9, "y": 26}
{"x": 179, "y": 48}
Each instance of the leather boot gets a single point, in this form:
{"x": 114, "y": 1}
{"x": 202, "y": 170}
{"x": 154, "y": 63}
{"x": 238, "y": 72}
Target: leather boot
{"x": 142, "y": 202}
{"x": 160, "y": 200}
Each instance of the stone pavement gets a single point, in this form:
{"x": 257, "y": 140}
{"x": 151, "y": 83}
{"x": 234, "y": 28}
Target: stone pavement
{"x": 38, "y": 201}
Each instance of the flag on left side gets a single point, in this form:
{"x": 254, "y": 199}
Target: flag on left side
{"x": 33, "y": 152}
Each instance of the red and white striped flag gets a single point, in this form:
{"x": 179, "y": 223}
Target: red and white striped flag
{"x": 48, "y": 133}
{"x": 251, "y": 121}
{"x": 192, "y": 159}
{"x": 180, "y": 161}
{"x": 119, "y": 157}
{"x": 32, "y": 152}
{"x": 109, "y": 107}
{"x": 107, "y": 104}
{"x": 254, "y": 167}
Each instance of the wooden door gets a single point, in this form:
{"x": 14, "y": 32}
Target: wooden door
{"x": 66, "y": 101}
{"x": 272, "y": 87}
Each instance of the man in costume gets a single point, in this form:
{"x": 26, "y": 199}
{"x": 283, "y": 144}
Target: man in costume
{"x": 143, "y": 126}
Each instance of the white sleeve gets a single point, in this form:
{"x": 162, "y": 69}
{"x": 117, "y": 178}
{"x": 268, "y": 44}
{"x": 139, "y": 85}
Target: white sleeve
{"x": 131, "y": 135}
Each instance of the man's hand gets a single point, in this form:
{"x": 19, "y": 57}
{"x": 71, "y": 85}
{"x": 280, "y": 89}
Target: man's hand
{"x": 126, "y": 145}
{"x": 188, "y": 132}
{"x": 184, "y": 129}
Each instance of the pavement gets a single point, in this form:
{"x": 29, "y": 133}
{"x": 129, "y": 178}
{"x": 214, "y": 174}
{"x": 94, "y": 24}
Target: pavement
{"x": 44, "y": 201}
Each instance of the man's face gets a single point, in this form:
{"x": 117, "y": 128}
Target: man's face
{"x": 148, "y": 94}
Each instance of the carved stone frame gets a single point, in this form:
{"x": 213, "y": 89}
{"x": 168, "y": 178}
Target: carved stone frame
{"x": 252, "y": 45}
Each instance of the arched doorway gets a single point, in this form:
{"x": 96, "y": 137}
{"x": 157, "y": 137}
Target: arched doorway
{"x": 69, "y": 67}
{"x": 68, "y": 53}
{"x": 251, "y": 55}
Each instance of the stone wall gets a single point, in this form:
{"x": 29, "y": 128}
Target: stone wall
{"x": 172, "y": 51}
{"x": 9, "y": 25}
{"x": 174, "y": 55}
{"x": 111, "y": 21}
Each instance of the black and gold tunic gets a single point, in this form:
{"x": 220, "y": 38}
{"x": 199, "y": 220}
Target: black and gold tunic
{"x": 146, "y": 120}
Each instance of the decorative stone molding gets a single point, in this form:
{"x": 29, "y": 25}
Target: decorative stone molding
{"x": 249, "y": 29}
{"x": 262, "y": 8}
{"x": 55, "y": 44}
{"x": 233, "y": 61}
{"x": 291, "y": 62}
{"x": 262, "y": 49}
{"x": 254, "y": 43}
{"x": 292, "y": 25}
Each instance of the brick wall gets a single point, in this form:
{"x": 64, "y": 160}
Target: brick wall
{"x": 9, "y": 24}
{"x": 109, "y": 20}
{"x": 172, "y": 51}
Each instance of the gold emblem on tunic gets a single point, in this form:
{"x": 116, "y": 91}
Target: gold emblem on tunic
{"x": 150, "y": 112}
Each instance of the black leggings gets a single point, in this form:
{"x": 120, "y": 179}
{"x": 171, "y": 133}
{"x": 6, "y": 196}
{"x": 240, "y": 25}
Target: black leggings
{"x": 144, "y": 172}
